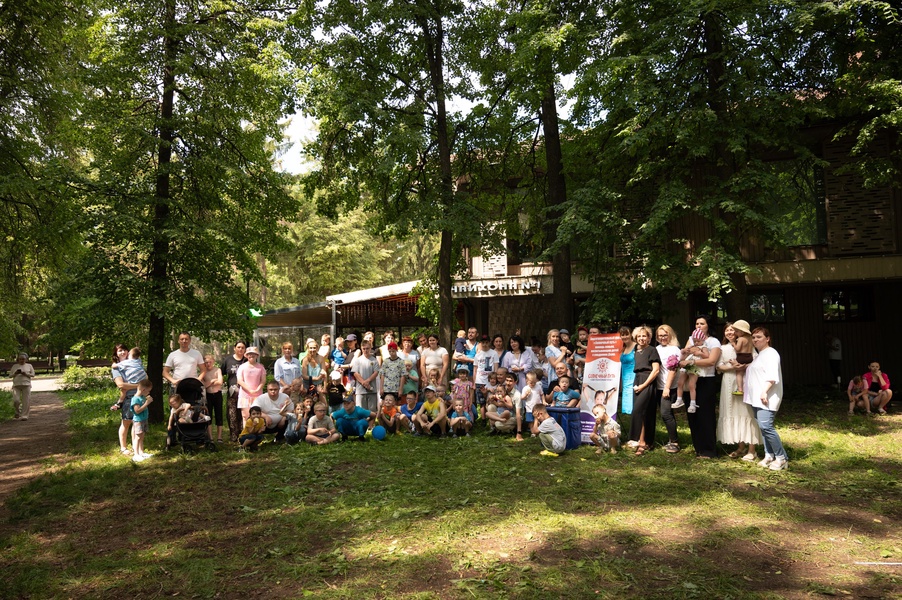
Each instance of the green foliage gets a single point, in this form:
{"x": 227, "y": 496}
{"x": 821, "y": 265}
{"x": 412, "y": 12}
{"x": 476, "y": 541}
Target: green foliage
{"x": 6, "y": 405}
{"x": 86, "y": 378}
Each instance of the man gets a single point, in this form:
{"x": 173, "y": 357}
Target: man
{"x": 365, "y": 370}
{"x": 184, "y": 363}
{"x": 271, "y": 404}
{"x": 502, "y": 416}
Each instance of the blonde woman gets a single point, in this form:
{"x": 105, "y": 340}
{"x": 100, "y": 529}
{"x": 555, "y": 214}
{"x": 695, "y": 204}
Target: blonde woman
{"x": 667, "y": 394}
{"x": 646, "y": 369}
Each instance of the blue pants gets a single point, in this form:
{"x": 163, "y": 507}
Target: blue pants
{"x": 773, "y": 445}
{"x": 348, "y": 427}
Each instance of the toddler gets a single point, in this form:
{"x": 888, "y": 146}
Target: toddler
{"x": 461, "y": 420}
{"x": 858, "y": 394}
{"x": 140, "y": 401}
{"x": 530, "y": 396}
{"x": 550, "y": 433}
{"x": 743, "y": 346}
{"x": 412, "y": 383}
{"x": 562, "y": 395}
{"x": 689, "y": 375}
{"x": 606, "y": 433}
{"x": 389, "y": 416}
{"x": 463, "y": 389}
{"x": 252, "y": 434}
{"x": 460, "y": 349}
{"x": 131, "y": 369}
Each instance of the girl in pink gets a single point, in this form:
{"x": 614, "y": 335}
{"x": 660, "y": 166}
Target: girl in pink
{"x": 251, "y": 378}
{"x": 463, "y": 389}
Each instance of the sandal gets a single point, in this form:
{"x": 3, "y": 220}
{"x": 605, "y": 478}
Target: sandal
{"x": 672, "y": 448}
{"x": 642, "y": 449}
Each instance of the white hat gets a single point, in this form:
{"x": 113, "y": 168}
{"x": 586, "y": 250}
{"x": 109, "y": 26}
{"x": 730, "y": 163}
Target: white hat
{"x": 743, "y": 326}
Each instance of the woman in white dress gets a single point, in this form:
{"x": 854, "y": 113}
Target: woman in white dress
{"x": 736, "y": 424}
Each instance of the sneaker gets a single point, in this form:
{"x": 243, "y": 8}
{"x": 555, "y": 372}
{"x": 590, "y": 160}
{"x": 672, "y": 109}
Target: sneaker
{"x": 879, "y": 411}
{"x": 692, "y": 408}
{"x": 548, "y": 453}
{"x": 778, "y": 464}
{"x": 147, "y": 454}
{"x": 750, "y": 457}
{"x": 766, "y": 460}
{"x": 678, "y": 404}
{"x": 882, "y": 412}
{"x": 138, "y": 458}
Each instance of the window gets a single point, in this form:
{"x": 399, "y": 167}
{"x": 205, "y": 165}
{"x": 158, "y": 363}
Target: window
{"x": 767, "y": 307}
{"x": 849, "y": 304}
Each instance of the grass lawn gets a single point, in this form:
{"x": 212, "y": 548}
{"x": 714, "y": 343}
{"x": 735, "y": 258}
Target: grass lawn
{"x": 478, "y": 517}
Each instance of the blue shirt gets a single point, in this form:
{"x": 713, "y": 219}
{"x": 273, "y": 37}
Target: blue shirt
{"x": 469, "y": 416}
{"x": 564, "y": 398}
{"x": 287, "y": 371}
{"x": 405, "y": 410}
{"x": 356, "y": 414}
{"x": 139, "y": 416}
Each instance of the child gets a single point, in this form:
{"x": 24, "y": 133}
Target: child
{"x": 743, "y": 346}
{"x": 432, "y": 415}
{"x": 335, "y": 392}
{"x": 463, "y": 389}
{"x": 562, "y": 395}
{"x": 140, "y": 401}
{"x": 390, "y": 416}
{"x": 296, "y": 422}
{"x": 461, "y": 420}
{"x": 531, "y": 395}
{"x": 460, "y": 349}
{"x": 858, "y": 394}
{"x": 550, "y": 433}
{"x": 433, "y": 380}
{"x": 579, "y": 355}
{"x": 408, "y": 412}
{"x": 252, "y": 434}
{"x": 177, "y": 411}
{"x": 412, "y": 383}
{"x": 689, "y": 375}
{"x": 606, "y": 433}
{"x": 131, "y": 369}
{"x": 321, "y": 428}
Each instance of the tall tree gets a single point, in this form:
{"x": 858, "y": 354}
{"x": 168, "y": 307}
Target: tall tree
{"x": 380, "y": 79}
{"x": 182, "y": 195}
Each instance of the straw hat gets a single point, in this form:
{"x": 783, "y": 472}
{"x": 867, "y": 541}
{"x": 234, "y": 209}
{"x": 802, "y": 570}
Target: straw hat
{"x": 743, "y": 326}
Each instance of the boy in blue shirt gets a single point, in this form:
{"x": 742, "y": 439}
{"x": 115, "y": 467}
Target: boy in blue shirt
{"x": 140, "y": 401}
{"x": 351, "y": 419}
{"x": 562, "y": 395}
{"x": 408, "y": 411}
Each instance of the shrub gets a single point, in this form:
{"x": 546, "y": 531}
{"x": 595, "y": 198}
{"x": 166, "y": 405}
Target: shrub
{"x": 86, "y": 378}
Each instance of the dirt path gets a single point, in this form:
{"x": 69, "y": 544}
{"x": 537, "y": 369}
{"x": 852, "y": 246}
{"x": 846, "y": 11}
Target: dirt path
{"x": 25, "y": 446}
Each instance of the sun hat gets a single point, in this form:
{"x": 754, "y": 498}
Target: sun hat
{"x": 336, "y": 375}
{"x": 431, "y": 387}
{"x": 743, "y": 326}
{"x": 252, "y": 350}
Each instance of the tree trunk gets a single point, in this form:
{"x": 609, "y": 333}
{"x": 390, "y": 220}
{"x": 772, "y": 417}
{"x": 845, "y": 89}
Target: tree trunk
{"x": 159, "y": 258}
{"x": 562, "y": 295}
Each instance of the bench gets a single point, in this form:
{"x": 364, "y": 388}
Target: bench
{"x": 93, "y": 362}
{"x": 43, "y": 366}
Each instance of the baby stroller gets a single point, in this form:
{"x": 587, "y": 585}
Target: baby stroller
{"x": 192, "y": 435}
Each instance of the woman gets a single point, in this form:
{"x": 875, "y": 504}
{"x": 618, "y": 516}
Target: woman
{"x": 518, "y": 360}
{"x": 434, "y": 357}
{"x": 627, "y": 376}
{"x": 287, "y": 368}
{"x": 879, "y": 391}
{"x": 764, "y": 393}
{"x": 646, "y": 368}
{"x": 120, "y": 353}
{"x": 736, "y": 424}
{"x": 387, "y": 338}
{"x": 703, "y": 422}
{"x": 230, "y": 372}
{"x": 251, "y": 378}
{"x": 554, "y": 352}
{"x": 498, "y": 346}
{"x": 312, "y": 366}
{"x": 666, "y": 394}
{"x": 212, "y": 380}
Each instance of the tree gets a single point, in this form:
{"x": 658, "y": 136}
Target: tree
{"x": 181, "y": 195}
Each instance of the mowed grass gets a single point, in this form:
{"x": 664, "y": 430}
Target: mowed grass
{"x": 479, "y": 517}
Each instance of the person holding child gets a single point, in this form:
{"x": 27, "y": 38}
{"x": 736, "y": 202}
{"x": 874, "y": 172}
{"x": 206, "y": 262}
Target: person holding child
{"x": 139, "y": 403}
{"x": 434, "y": 357}
{"x": 736, "y": 423}
{"x": 703, "y": 422}
{"x": 127, "y": 388}
{"x": 549, "y": 431}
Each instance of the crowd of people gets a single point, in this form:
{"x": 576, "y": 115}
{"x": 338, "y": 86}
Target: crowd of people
{"x": 331, "y": 392}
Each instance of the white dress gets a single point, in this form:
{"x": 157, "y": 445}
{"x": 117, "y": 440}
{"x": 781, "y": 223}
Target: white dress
{"x": 737, "y": 422}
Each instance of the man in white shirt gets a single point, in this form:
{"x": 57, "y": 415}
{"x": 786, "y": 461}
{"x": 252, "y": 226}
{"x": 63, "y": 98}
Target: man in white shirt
{"x": 184, "y": 363}
{"x": 271, "y": 404}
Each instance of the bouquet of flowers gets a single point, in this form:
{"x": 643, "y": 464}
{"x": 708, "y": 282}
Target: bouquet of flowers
{"x": 673, "y": 362}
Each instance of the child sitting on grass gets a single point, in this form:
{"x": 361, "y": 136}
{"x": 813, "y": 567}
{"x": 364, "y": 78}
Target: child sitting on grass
{"x": 550, "y": 433}
{"x": 252, "y": 434}
{"x": 606, "y": 434}
{"x": 140, "y": 401}
{"x": 389, "y": 415}
{"x": 407, "y": 419}
{"x": 461, "y": 420}
{"x": 432, "y": 416}
{"x": 321, "y": 428}
{"x": 858, "y": 395}
{"x": 296, "y": 421}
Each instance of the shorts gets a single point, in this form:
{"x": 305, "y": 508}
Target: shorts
{"x": 139, "y": 427}
{"x": 368, "y": 401}
{"x": 251, "y": 437}
{"x": 435, "y": 427}
{"x": 744, "y": 358}
{"x": 126, "y": 411}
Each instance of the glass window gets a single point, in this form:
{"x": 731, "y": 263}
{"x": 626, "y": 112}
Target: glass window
{"x": 767, "y": 307}
{"x": 848, "y": 304}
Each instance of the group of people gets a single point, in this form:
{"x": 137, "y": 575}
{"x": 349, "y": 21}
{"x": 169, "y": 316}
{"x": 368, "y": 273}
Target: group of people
{"x": 333, "y": 392}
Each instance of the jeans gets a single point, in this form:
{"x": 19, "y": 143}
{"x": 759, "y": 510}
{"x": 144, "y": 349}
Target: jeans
{"x": 773, "y": 446}
{"x": 352, "y": 427}
{"x": 667, "y": 414}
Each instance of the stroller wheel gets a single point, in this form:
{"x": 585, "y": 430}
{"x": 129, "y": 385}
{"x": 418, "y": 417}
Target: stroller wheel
{"x": 188, "y": 449}
{"x": 211, "y": 447}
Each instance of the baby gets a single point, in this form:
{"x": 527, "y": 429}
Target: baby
{"x": 743, "y": 346}
{"x": 606, "y": 433}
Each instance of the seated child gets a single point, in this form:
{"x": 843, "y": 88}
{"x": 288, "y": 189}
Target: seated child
{"x": 461, "y": 420}
{"x": 550, "y": 433}
{"x": 389, "y": 415}
{"x": 561, "y": 394}
{"x": 320, "y": 427}
{"x": 140, "y": 401}
{"x": 606, "y": 434}
{"x": 296, "y": 421}
{"x": 408, "y": 411}
{"x": 352, "y": 420}
{"x": 488, "y": 390}
{"x": 689, "y": 375}
{"x": 500, "y": 412}
{"x": 530, "y": 396}
{"x": 858, "y": 395}
{"x": 252, "y": 434}
{"x": 432, "y": 416}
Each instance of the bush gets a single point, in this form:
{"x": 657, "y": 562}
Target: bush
{"x": 86, "y": 378}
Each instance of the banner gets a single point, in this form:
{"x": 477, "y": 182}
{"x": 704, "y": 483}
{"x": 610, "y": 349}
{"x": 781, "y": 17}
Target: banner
{"x": 601, "y": 379}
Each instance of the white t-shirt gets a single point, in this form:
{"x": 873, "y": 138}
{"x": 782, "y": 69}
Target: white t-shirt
{"x": 365, "y": 367}
{"x": 184, "y": 365}
{"x": 665, "y": 352}
{"x": 271, "y": 408}
{"x": 434, "y": 358}
{"x": 531, "y": 397}
{"x": 485, "y": 362}
{"x": 711, "y": 343}
{"x": 765, "y": 367}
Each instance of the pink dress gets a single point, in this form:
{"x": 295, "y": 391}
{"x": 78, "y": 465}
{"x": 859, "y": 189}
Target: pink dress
{"x": 253, "y": 376}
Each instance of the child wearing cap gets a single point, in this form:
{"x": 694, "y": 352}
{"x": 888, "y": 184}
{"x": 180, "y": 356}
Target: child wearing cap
{"x": 432, "y": 416}
{"x": 742, "y": 343}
